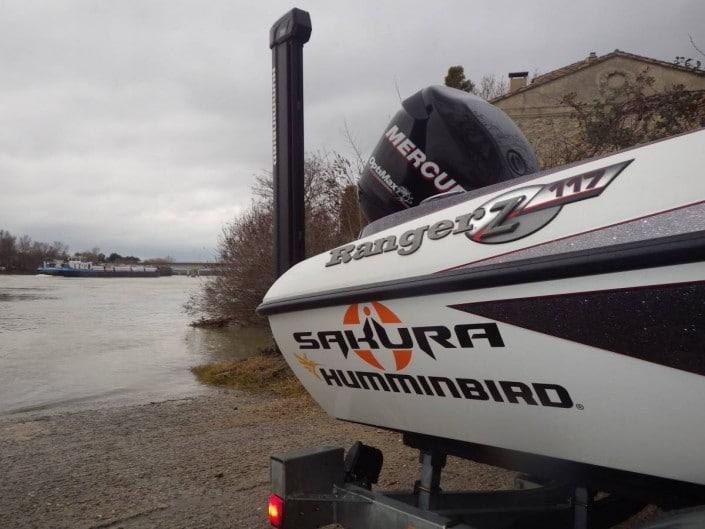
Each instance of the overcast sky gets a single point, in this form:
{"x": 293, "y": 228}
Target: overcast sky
{"x": 137, "y": 126}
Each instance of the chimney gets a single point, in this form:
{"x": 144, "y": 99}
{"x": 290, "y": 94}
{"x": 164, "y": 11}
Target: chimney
{"x": 517, "y": 80}
{"x": 592, "y": 56}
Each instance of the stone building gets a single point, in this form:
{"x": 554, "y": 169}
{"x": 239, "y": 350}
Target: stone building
{"x": 537, "y": 108}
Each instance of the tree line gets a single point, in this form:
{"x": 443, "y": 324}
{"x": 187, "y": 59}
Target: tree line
{"x": 94, "y": 255}
{"x": 22, "y": 254}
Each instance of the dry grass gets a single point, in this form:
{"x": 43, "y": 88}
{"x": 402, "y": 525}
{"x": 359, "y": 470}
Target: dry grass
{"x": 258, "y": 373}
{"x": 210, "y": 323}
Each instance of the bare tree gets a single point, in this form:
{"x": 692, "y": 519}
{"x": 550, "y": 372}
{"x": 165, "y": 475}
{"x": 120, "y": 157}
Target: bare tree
{"x": 352, "y": 142}
{"x": 246, "y": 268}
{"x": 8, "y": 249}
{"x": 491, "y": 87}
{"x": 396, "y": 87}
{"x": 695, "y": 46}
{"x": 94, "y": 255}
{"x": 60, "y": 249}
{"x": 22, "y": 254}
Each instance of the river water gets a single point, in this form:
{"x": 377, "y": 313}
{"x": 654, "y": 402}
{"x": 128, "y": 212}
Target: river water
{"x": 84, "y": 342}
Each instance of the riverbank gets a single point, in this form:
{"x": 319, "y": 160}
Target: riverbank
{"x": 194, "y": 462}
{"x": 261, "y": 372}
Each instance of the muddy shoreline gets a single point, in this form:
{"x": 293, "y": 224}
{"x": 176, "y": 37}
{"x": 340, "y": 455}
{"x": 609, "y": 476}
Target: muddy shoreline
{"x": 194, "y": 462}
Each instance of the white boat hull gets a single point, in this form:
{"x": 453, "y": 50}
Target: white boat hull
{"x": 626, "y": 413}
{"x": 604, "y": 368}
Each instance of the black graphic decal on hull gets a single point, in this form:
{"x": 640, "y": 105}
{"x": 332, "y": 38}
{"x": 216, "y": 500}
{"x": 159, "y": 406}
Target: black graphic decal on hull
{"x": 663, "y": 324}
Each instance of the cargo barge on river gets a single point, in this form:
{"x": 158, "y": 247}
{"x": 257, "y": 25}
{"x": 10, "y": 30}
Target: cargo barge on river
{"x": 87, "y": 269}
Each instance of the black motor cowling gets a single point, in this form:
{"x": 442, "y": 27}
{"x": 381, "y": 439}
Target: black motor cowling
{"x": 441, "y": 140}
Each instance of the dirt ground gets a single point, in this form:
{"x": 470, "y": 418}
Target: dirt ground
{"x": 200, "y": 462}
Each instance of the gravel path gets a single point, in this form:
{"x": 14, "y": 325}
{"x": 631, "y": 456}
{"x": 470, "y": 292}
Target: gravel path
{"x": 200, "y": 462}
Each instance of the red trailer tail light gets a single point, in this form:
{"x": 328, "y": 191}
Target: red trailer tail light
{"x": 275, "y": 511}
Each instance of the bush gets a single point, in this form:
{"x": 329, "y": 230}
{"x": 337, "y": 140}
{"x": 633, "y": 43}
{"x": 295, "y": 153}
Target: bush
{"x": 246, "y": 264}
{"x": 626, "y": 116}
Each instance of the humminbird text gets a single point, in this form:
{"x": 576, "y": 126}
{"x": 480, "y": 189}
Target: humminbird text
{"x": 505, "y": 391}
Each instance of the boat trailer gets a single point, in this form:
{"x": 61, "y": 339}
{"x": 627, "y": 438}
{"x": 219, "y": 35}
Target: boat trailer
{"x": 314, "y": 488}
{"x": 323, "y": 486}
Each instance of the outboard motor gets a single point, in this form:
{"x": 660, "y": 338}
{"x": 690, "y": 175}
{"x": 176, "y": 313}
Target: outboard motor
{"x": 442, "y": 140}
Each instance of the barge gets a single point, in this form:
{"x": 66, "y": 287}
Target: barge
{"x": 88, "y": 269}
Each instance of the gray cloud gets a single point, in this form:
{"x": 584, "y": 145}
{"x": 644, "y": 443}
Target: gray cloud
{"x": 138, "y": 125}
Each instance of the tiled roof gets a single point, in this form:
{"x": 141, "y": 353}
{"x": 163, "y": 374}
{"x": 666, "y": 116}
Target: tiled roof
{"x": 591, "y": 61}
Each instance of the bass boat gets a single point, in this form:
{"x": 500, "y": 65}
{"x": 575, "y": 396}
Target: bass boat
{"x": 554, "y": 317}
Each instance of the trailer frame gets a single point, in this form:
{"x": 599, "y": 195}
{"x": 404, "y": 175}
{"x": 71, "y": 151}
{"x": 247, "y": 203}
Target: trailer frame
{"x": 317, "y": 487}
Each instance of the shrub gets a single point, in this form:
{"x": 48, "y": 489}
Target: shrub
{"x": 246, "y": 265}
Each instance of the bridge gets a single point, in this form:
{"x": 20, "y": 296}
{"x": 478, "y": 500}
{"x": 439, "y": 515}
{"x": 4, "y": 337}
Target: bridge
{"x": 193, "y": 268}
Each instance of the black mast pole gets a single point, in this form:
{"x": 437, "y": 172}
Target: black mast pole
{"x": 286, "y": 39}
